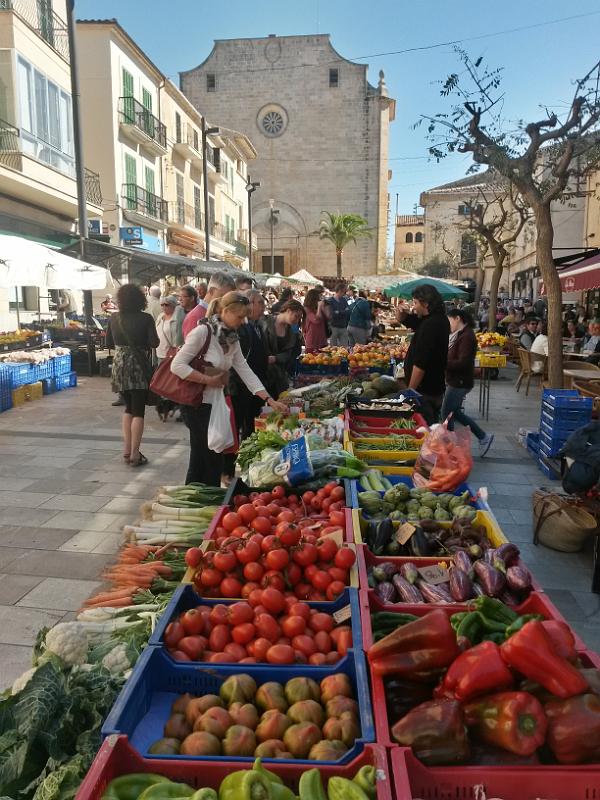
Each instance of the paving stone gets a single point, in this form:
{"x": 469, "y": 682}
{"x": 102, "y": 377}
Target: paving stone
{"x": 62, "y": 485}
{"x": 110, "y": 543}
{"x": 25, "y": 516}
{"x": 32, "y": 538}
{"x": 122, "y": 505}
{"x": 59, "y": 594}
{"x": 8, "y": 484}
{"x": 14, "y": 661}
{"x": 81, "y": 520}
{"x": 114, "y": 490}
{"x": 512, "y": 489}
{"x": 86, "y": 542}
{"x": 60, "y": 564}
{"x": 74, "y": 502}
{"x": 14, "y": 587}
{"x": 8, "y": 555}
{"x": 23, "y": 499}
{"x": 21, "y": 625}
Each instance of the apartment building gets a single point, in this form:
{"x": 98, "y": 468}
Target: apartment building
{"x": 144, "y": 138}
{"x": 38, "y": 192}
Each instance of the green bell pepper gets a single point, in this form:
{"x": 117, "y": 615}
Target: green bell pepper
{"x": 167, "y": 791}
{"x": 130, "y": 787}
{"x": 245, "y": 784}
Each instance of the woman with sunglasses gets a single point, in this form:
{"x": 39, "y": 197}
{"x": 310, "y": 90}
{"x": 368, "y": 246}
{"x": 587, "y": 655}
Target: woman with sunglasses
{"x": 167, "y": 328}
{"x": 224, "y": 317}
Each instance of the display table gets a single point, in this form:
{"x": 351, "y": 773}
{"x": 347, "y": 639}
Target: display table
{"x": 487, "y": 362}
{"x": 570, "y": 375}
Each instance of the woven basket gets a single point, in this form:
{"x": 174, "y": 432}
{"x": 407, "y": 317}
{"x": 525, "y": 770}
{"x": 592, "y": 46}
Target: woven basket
{"x": 560, "y": 523}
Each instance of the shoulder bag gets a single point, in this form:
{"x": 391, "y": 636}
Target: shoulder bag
{"x": 560, "y": 522}
{"x": 186, "y": 393}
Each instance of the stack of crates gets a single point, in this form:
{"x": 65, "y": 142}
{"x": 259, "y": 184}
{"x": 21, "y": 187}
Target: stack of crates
{"x": 5, "y": 390}
{"x": 563, "y": 411}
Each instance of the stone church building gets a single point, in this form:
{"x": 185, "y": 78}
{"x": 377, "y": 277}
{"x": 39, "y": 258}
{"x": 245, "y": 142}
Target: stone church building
{"x": 321, "y": 132}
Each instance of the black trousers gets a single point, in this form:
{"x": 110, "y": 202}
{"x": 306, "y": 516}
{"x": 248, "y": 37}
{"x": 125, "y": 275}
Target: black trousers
{"x": 430, "y": 406}
{"x": 205, "y": 465}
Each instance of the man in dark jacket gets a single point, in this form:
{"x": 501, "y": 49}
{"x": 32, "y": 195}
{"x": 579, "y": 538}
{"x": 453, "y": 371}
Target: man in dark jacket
{"x": 425, "y": 362}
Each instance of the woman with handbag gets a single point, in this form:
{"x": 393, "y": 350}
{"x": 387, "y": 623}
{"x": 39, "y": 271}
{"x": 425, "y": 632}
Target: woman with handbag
{"x": 215, "y": 339}
{"x": 132, "y": 333}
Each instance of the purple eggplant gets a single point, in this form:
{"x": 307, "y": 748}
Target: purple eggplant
{"x": 463, "y": 562}
{"x": 406, "y": 591}
{"x": 518, "y": 579}
{"x": 509, "y": 598}
{"x": 491, "y": 579}
{"x": 488, "y": 555}
{"x": 384, "y": 572}
{"x": 460, "y": 585}
{"x": 508, "y": 552}
{"x": 434, "y": 594}
{"x": 409, "y": 572}
{"x": 478, "y": 591}
{"x": 386, "y": 592}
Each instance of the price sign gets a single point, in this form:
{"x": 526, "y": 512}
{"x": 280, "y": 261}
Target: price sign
{"x": 434, "y": 575}
{"x": 404, "y": 533}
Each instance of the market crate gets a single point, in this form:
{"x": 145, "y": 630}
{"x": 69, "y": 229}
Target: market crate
{"x": 239, "y": 486}
{"x": 117, "y": 757}
{"x": 143, "y": 706}
{"x": 26, "y": 393}
{"x": 61, "y": 364}
{"x": 490, "y": 360}
{"x": 550, "y": 467}
{"x": 65, "y": 380}
{"x": 564, "y": 420}
{"x": 356, "y": 418}
{"x": 580, "y": 782}
{"x": 21, "y": 374}
{"x": 48, "y": 386}
{"x": 322, "y": 369}
{"x": 5, "y": 390}
{"x": 185, "y": 598}
{"x": 407, "y": 479}
{"x": 533, "y": 443}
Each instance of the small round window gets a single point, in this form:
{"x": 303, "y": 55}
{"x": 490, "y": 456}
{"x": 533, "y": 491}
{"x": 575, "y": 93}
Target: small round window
{"x": 272, "y": 120}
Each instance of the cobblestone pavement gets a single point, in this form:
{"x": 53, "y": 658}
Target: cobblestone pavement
{"x": 65, "y": 494}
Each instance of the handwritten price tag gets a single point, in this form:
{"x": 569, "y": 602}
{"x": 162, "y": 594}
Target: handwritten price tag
{"x": 434, "y": 575}
{"x": 404, "y": 533}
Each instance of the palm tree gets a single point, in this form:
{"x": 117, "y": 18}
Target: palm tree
{"x": 341, "y": 229}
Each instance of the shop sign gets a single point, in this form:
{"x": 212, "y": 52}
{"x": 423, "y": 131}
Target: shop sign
{"x": 131, "y": 235}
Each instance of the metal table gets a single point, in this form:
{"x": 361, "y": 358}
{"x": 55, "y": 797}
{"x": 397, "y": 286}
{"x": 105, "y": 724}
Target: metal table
{"x": 487, "y": 364}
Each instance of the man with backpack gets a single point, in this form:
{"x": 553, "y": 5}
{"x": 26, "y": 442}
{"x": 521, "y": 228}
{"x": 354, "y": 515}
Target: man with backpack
{"x": 340, "y": 314}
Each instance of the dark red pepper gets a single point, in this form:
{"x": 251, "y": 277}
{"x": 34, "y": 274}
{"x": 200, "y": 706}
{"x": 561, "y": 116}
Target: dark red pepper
{"x": 436, "y": 732}
{"x": 574, "y": 729}
{"x": 514, "y": 721}
{"x": 476, "y": 672}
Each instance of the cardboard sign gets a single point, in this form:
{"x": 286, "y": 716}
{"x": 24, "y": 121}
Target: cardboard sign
{"x": 404, "y": 532}
{"x": 434, "y": 575}
{"x": 343, "y": 614}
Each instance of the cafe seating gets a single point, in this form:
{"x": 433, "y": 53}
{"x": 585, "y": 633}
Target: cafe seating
{"x": 530, "y": 363}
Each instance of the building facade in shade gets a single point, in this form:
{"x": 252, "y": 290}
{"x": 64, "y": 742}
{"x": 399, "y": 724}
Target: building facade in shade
{"x": 321, "y": 133}
{"x": 409, "y": 242}
{"x": 38, "y": 191}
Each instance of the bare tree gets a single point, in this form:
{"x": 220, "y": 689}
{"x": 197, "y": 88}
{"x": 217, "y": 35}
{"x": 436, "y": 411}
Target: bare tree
{"x": 541, "y": 159}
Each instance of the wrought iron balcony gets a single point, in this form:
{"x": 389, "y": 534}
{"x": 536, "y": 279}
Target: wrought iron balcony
{"x": 43, "y": 20}
{"x": 93, "y": 192}
{"x": 241, "y": 249}
{"x": 184, "y": 214}
{"x": 142, "y": 125}
{"x": 138, "y": 200}
{"x": 219, "y": 231}
{"x": 188, "y": 143}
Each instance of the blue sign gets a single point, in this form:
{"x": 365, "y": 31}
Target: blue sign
{"x": 132, "y": 235}
{"x": 152, "y": 242}
{"x": 95, "y": 226}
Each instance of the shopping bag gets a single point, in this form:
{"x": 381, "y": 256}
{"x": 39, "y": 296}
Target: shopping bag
{"x": 234, "y": 430}
{"x": 220, "y": 430}
{"x": 444, "y": 460}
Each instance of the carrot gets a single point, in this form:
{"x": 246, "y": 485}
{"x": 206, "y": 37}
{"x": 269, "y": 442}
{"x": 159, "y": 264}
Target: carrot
{"x": 117, "y": 602}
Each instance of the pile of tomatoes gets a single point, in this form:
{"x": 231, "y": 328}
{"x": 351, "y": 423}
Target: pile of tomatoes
{"x": 271, "y": 542}
{"x": 278, "y": 630}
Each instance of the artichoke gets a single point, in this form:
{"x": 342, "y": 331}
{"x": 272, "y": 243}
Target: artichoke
{"x": 425, "y": 512}
{"x": 441, "y": 515}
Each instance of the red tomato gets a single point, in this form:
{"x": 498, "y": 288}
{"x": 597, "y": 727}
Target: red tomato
{"x": 321, "y": 580}
{"x": 293, "y": 626}
{"x": 225, "y": 561}
{"x": 337, "y": 518}
{"x": 231, "y": 521}
{"x": 220, "y": 531}
{"x": 281, "y": 654}
{"x": 239, "y": 500}
{"x": 321, "y": 622}
{"x": 316, "y": 596}
{"x": 277, "y": 559}
{"x": 273, "y": 600}
{"x": 192, "y": 621}
{"x": 344, "y": 640}
{"x": 317, "y": 659}
{"x": 293, "y": 573}
{"x": 253, "y": 571}
{"x": 334, "y": 590}
{"x": 239, "y": 613}
{"x": 344, "y": 558}
{"x": 329, "y": 487}
{"x": 315, "y": 503}
{"x": 288, "y": 533}
{"x": 300, "y": 610}
{"x": 273, "y": 509}
{"x": 310, "y": 538}
{"x": 302, "y": 590}
{"x": 326, "y": 504}
{"x": 193, "y": 557}
{"x": 210, "y": 577}
{"x": 240, "y": 531}
{"x": 285, "y": 516}
{"x": 173, "y": 633}
{"x": 278, "y": 492}
{"x": 336, "y": 506}
{"x": 236, "y": 650}
{"x": 327, "y": 548}
{"x": 258, "y": 648}
{"x": 219, "y": 637}
{"x": 193, "y": 646}
{"x": 179, "y": 655}
{"x": 249, "y": 552}
{"x": 261, "y": 525}
{"x": 323, "y": 642}
{"x": 307, "y": 497}
{"x": 304, "y": 644}
{"x": 283, "y": 640}
{"x": 243, "y": 633}
{"x": 338, "y": 494}
{"x": 265, "y": 497}
{"x": 247, "y": 513}
{"x": 223, "y": 658}
{"x": 273, "y": 579}
{"x": 248, "y": 588}
{"x": 247, "y": 660}
{"x": 269, "y": 542}
{"x": 258, "y": 503}
{"x": 293, "y": 498}
{"x": 263, "y": 511}
{"x": 253, "y": 496}
{"x": 267, "y": 627}
{"x": 231, "y": 587}
{"x": 305, "y": 554}
{"x": 338, "y": 574}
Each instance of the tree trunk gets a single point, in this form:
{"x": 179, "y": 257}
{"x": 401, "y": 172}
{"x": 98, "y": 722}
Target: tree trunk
{"x": 545, "y": 261}
{"x": 338, "y": 254}
{"x": 496, "y": 278}
{"x": 478, "y": 286}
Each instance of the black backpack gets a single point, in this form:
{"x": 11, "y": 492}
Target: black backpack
{"x": 583, "y": 447}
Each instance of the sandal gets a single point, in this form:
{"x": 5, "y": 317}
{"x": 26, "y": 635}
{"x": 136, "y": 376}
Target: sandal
{"x": 126, "y": 457}
{"x": 140, "y": 461}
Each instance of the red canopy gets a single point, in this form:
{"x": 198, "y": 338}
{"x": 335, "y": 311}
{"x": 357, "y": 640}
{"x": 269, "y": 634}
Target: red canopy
{"x": 582, "y": 276}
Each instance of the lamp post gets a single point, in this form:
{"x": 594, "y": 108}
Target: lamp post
{"x": 251, "y": 186}
{"x": 205, "y": 132}
{"x": 273, "y": 220}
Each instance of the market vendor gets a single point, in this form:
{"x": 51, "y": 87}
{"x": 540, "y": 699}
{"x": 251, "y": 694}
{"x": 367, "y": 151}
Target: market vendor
{"x": 224, "y": 317}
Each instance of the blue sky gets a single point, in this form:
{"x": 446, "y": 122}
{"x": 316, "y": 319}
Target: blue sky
{"x": 539, "y": 63}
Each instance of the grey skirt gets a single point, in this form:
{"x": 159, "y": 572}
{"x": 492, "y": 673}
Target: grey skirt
{"x": 130, "y": 369}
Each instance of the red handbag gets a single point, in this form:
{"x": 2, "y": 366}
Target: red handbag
{"x": 165, "y": 383}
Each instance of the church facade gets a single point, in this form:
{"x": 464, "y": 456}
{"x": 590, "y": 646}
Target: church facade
{"x": 321, "y": 133}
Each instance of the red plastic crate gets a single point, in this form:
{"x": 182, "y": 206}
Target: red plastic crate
{"x": 116, "y": 757}
{"x": 379, "y": 423}
{"x": 414, "y": 780}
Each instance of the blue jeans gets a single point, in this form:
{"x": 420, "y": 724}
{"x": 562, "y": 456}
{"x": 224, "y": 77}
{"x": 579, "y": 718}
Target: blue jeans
{"x": 453, "y": 403}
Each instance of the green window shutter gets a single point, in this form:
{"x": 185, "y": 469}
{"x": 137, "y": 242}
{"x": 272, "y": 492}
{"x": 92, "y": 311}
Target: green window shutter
{"x": 130, "y": 181}
{"x": 147, "y": 116}
{"x": 150, "y": 180}
{"x": 147, "y": 99}
{"x": 197, "y": 208}
{"x": 178, "y": 138}
{"x": 128, "y": 95}
{"x": 150, "y": 192}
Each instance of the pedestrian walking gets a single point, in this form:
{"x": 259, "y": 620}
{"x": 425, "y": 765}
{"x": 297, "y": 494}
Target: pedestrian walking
{"x": 460, "y": 370}
{"x": 340, "y": 315}
{"x": 218, "y": 285}
{"x": 315, "y": 323}
{"x": 132, "y": 332}
{"x": 360, "y": 321}
{"x": 225, "y": 316}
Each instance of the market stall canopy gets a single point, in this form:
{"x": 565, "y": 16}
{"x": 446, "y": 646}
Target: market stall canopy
{"x": 579, "y": 277}
{"x": 378, "y": 283}
{"x": 405, "y": 290}
{"x": 304, "y": 276}
{"x": 26, "y": 263}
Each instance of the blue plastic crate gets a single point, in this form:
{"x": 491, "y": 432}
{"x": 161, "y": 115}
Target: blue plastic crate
{"x": 22, "y": 374}
{"x": 579, "y": 410}
{"x": 143, "y": 706}
{"x": 570, "y": 422}
{"x": 549, "y": 448}
{"x": 553, "y": 435}
{"x": 565, "y": 399}
{"x": 549, "y": 470}
{"x": 48, "y": 385}
{"x": 5, "y": 400}
{"x": 61, "y": 364}
{"x": 185, "y": 597}
{"x": 65, "y": 380}
{"x": 533, "y": 442}
{"x": 322, "y": 369}
{"x": 394, "y": 479}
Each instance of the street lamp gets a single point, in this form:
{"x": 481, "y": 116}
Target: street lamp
{"x": 251, "y": 186}
{"x": 205, "y": 132}
{"x": 273, "y": 220}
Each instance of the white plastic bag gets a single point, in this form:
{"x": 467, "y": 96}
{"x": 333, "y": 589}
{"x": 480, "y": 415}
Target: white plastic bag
{"x": 220, "y": 433}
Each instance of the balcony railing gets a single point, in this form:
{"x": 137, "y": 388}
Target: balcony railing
{"x": 10, "y": 145}
{"x": 93, "y": 192}
{"x": 186, "y": 214}
{"x": 219, "y": 231}
{"x": 136, "y": 198}
{"x": 213, "y": 156}
{"x": 190, "y": 136}
{"x": 43, "y": 20}
{"x": 241, "y": 249}
{"x": 132, "y": 112}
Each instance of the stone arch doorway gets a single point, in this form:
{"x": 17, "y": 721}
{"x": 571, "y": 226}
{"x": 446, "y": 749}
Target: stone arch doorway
{"x": 289, "y": 238}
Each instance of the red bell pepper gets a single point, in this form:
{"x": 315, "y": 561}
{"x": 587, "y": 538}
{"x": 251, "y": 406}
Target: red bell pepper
{"x": 428, "y": 643}
{"x": 514, "y": 721}
{"x": 561, "y": 636}
{"x": 574, "y": 729}
{"x": 476, "y": 672}
{"x": 436, "y": 732}
{"x": 531, "y": 652}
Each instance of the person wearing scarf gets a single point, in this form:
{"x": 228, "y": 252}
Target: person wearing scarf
{"x": 460, "y": 368}
{"x": 224, "y": 316}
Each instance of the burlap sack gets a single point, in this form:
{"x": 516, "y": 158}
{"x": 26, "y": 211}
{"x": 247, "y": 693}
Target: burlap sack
{"x": 560, "y": 523}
